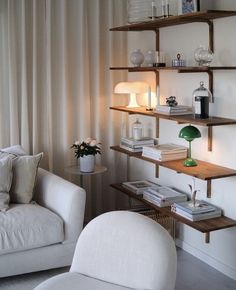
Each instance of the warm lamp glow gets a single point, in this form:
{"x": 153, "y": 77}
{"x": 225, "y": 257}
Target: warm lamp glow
{"x": 131, "y": 88}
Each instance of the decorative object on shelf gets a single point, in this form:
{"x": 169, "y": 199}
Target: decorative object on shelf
{"x": 193, "y": 191}
{"x": 201, "y": 99}
{"x": 150, "y": 57}
{"x": 149, "y": 106}
{"x": 136, "y": 57}
{"x": 154, "y": 10}
{"x": 189, "y": 133}
{"x": 131, "y": 88}
{"x": 203, "y": 56}
{"x": 85, "y": 151}
{"x": 137, "y": 130}
{"x": 171, "y": 101}
{"x": 160, "y": 59}
{"x": 188, "y": 6}
{"x": 165, "y": 8}
{"x": 178, "y": 62}
{"x": 138, "y": 10}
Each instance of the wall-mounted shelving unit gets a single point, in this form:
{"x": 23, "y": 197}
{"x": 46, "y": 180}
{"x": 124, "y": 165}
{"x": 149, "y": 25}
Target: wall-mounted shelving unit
{"x": 204, "y": 170}
{"x": 181, "y": 119}
{"x": 205, "y": 226}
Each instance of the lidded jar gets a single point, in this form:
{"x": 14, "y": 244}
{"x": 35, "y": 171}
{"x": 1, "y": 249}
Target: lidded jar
{"x": 201, "y": 99}
{"x": 137, "y": 130}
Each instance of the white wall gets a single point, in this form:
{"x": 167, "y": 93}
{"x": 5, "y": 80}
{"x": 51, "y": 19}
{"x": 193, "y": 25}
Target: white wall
{"x": 184, "y": 39}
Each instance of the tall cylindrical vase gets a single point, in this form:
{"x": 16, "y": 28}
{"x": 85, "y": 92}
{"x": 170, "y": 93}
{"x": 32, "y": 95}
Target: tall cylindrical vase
{"x": 87, "y": 163}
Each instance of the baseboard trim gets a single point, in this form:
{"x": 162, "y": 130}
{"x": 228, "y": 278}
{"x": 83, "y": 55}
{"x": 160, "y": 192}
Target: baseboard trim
{"x": 225, "y": 269}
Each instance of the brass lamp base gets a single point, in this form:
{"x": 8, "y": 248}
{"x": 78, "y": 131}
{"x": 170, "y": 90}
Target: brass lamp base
{"x": 189, "y": 162}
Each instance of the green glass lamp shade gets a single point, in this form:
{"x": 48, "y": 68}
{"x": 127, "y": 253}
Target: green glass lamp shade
{"x": 189, "y": 133}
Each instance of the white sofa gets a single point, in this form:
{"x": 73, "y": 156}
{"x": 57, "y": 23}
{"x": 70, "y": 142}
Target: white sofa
{"x": 42, "y": 235}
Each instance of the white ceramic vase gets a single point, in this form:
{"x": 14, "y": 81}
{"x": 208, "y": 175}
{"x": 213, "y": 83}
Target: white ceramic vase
{"x": 87, "y": 163}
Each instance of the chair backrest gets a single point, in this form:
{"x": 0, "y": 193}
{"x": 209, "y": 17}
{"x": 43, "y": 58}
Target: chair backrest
{"x": 127, "y": 249}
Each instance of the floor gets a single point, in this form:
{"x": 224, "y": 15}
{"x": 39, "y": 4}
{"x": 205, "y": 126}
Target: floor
{"x": 192, "y": 274}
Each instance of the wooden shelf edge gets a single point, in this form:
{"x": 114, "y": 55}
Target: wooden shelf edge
{"x": 204, "y": 170}
{"x": 204, "y": 226}
{"x": 194, "y": 69}
{"x": 200, "y": 16}
{"x": 209, "y": 122}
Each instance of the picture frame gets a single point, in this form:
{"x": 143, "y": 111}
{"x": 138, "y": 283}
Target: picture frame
{"x": 188, "y": 6}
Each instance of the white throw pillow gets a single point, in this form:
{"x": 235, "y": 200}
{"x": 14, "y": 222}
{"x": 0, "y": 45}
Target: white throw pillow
{"x": 5, "y": 182}
{"x": 15, "y": 149}
{"x": 25, "y": 170}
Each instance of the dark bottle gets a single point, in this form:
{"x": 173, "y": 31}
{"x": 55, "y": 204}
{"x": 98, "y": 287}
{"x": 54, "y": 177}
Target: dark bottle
{"x": 201, "y": 99}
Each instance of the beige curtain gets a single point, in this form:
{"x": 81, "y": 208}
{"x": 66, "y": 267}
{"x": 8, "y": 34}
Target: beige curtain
{"x": 55, "y": 83}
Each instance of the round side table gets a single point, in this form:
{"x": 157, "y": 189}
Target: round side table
{"x": 75, "y": 169}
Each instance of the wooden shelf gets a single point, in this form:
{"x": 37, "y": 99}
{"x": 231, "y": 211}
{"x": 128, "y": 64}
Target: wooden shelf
{"x": 204, "y": 226}
{"x": 209, "y": 122}
{"x": 202, "y": 16}
{"x": 185, "y": 69}
{"x": 204, "y": 170}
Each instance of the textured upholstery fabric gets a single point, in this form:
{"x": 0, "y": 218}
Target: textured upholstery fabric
{"x": 5, "y": 182}
{"x": 29, "y": 226}
{"x": 76, "y": 281}
{"x": 124, "y": 249}
{"x": 24, "y": 175}
{"x": 66, "y": 200}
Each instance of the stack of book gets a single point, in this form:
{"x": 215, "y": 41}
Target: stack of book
{"x": 165, "y": 152}
{"x": 202, "y": 211}
{"x": 133, "y": 145}
{"x": 177, "y": 110}
{"x": 163, "y": 196}
{"x": 139, "y": 186}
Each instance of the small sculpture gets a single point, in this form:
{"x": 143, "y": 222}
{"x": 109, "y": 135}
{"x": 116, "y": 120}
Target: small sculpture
{"x": 171, "y": 101}
{"x": 193, "y": 196}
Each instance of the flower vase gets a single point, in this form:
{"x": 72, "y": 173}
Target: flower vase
{"x": 87, "y": 163}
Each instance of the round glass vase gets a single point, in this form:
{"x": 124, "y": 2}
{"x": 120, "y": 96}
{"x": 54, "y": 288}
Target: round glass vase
{"x": 87, "y": 163}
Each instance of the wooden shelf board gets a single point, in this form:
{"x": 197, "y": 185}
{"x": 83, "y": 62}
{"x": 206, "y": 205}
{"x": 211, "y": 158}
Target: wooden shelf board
{"x": 212, "y": 121}
{"x": 192, "y": 69}
{"x": 204, "y": 226}
{"x": 204, "y": 170}
{"x": 139, "y": 110}
{"x": 201, "y": 16}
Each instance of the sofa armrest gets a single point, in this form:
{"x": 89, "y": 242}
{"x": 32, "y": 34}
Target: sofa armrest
{"x": 64, "y": 198}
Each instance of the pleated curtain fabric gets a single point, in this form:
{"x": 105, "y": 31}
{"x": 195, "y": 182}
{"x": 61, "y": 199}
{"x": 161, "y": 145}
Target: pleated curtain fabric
{"x": 55, "y": 83}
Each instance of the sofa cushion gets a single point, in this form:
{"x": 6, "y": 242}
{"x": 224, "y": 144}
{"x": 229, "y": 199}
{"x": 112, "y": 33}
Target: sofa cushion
{"x": 28, "y": 226}
{"x": 15, "y": 149}
{"x": 25, "y": 170}
{"x": 76, "y": 281}
{"x": 5, "y": 182}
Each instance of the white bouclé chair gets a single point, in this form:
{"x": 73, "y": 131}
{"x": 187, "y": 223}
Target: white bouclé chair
{"x": 120, "y": 250}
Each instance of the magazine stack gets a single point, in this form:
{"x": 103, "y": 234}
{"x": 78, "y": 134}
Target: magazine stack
{"x": 201, "y": 211}
{"x": 165, "y": 152}
{"x": 177, "y": 110}
{"x": 133, "y": 145}
{"x": 139, "y": 186}
{"x": 163, "y": 196}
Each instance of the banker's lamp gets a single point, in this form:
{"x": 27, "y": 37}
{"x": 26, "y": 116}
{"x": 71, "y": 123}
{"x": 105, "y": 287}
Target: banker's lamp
{"x": 189, "y": 133}
{"x": 131, "y": 88}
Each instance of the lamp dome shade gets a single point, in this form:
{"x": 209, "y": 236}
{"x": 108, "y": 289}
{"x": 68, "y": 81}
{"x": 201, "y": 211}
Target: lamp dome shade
{"x": 131, "y": 87}
{"x": 189, "y": 133}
